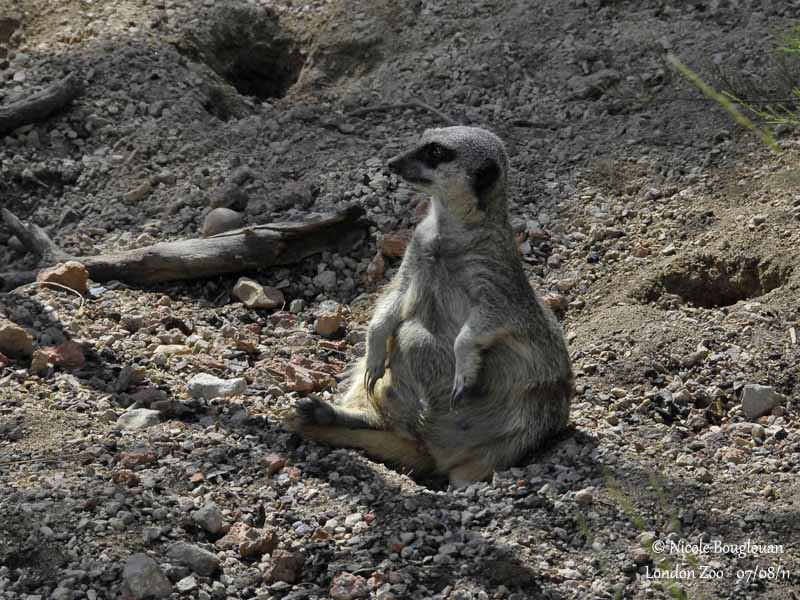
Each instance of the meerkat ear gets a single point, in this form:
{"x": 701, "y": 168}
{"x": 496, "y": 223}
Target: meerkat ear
{"x": 485, "y": 177}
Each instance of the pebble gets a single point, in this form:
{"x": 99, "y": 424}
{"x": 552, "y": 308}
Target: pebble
{"x": 187, "y": 584}
{"x": 255, "y": 295}
{"x": 221, "y": 220}
{"x": 296, "y": 306}
{"x": 205, "y": 386}
{"x": 759, "y": 400}
{"x": 393, "y": 244}
{"x": 325, "y": 280}
{"x": 140, "y": 192}
{"x": 210, "y": 518}
{"x": 14, "y": 340}
{"x": 329, "y": 319}
{"x": 200, "y": 561}
{"x": 584, "y": 497}
{"x": 284, "y": 566}
{"x": 143, "y": 579}
{"x": 346, "y": 586}
{"x": 71, "y": 274}
{"x": 138, "y": 418}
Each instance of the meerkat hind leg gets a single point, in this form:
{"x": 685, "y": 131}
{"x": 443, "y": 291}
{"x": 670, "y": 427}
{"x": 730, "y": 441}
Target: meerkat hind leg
{"x": 384, "y": 446}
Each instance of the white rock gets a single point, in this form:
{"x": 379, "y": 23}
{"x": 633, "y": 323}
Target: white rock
{"x": 759, "y": 400}
{"x": 255, "y": 295}
{"x": 207, "y": 387}
{"x": 138, "y": 418}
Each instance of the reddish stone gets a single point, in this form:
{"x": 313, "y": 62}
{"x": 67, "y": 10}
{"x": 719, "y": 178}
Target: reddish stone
{"x": 274, "y": 463}
{"x": 4, "y": 361}
{"x": 126, "y": 478}
{"x": 252, "y": 542}
{"x": 284, "y": 566}
{"x": 394, "y": 244}
{"x": 136, "y": 458}
{"x": 68, "y": 355}
{"x": 556, "y": 302}
{"x": 197, "y": 477}
{"x": 339, "y": 345}
{"x": 71, "y": 274}
{"x": 346, "y": 586}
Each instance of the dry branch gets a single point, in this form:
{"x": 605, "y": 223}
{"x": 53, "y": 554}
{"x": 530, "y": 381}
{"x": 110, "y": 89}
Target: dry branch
{"x": 40, "y": 105}
{"x": 247, "y": 249}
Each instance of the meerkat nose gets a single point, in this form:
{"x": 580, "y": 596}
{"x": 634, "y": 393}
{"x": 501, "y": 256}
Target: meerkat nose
{"x": 394, "y": 164}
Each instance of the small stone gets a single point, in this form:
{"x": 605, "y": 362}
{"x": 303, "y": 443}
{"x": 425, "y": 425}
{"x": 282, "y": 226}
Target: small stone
{"x": 40, "y": 363}
{"x": 284, "y": 566}
{"x": 325, "y": 280}
{"x": 14, "y": 340}
{"x": 198, "y": 560}
{"x": 71, "y": 274}
{"x": 252, "y": 542}
{"x": 274, "y": 463}
{"x": 565, "y": 285}
{"x": 68, "y": 355}
{"x": 187, "y": 584}
{"x": 393, "y": 244}
{"x": 640, "y": 556}
{"x": 556, "y": 302}
{"x": 137, "y": 458}
{"x": 376, "y": 269}
{"x": 4, "y": 361}
{"x": 584, "y": 497}
{"x": 210, "y": 518}
{"x": 138, "y": 418}
{"x": 703, "y": 475}
{"x": 329, "y": 320}
{"x": 696, "y": 358}
{"x": 297, "y": 305}
{"x": 140, "y": 192}
{"x": 640, "y": 251}
{"x": 346, "y": 586}
{"x": 759, "y": 400}
{"x": 205, "y": 386}
{"x": 669, "y": 250}
{"x": 167, "y": 350}
{"x": 221, "y": 220}
{"x": 254, "y": 295}
{"x": 142, "y": 578}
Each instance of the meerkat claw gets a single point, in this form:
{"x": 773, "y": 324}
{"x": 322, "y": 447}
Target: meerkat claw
{"x": 459, "y": 389}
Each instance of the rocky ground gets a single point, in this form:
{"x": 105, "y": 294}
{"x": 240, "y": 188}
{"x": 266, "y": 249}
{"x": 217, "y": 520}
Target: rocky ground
{"x": 141, "y": 453}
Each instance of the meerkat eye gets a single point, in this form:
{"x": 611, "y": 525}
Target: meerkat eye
{"x": 435, "y": 154}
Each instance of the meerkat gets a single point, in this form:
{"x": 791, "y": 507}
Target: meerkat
{"x": 466, "y": 371}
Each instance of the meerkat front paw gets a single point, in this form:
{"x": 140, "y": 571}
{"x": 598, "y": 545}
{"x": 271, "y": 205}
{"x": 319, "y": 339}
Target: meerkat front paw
{"x": 461, "y": 388}
{"x": 313, "y": 411}
{"x": 374, "y": 370}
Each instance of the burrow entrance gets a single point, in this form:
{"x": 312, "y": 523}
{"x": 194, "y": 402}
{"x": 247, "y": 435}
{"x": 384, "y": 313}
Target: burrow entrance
{"x": 247, "y": 47}
{"x": 711, "y": 281}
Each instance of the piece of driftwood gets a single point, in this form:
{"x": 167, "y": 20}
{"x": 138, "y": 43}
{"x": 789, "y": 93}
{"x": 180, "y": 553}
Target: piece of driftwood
{"x": 40, "y": 105}
{"x": 247, "y": 249}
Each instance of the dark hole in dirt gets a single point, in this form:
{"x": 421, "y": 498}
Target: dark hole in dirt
{"x": 249, "y": 49}
{"x": 710, "y": 282}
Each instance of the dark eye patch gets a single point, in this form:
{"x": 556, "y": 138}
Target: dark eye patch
{"x": 434, "y": 154}
{"x": 484, "y": 178}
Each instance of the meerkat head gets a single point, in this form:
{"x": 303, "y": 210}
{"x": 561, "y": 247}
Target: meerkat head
{"x": 464, "y": 168}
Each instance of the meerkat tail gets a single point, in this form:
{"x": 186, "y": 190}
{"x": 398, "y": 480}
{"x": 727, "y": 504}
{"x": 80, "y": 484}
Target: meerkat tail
{"x": 385, "y": 446}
